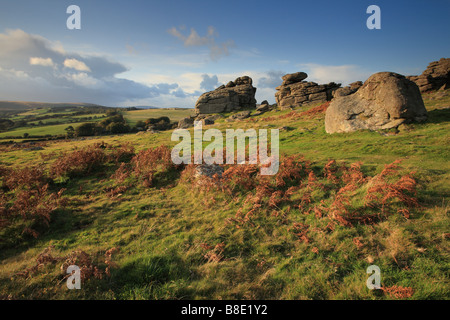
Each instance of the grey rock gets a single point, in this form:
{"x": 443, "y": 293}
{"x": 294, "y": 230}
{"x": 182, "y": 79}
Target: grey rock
{"x": 294, "y": 77}
{"x": 294, "y": 92}
{"x": 38, "y": 148}
{"x": 346, "y": 91}
{"x": 236, "y": 95}
{"x": 209, "y": 170}
{"x": 185, "y": 123}
{"x": 385, "y": 101}
{"x": 435, "y": 77}
{"x": 239, "y": 116}
{"x": 263, "y": 108}
{"x": 207, "y": 121}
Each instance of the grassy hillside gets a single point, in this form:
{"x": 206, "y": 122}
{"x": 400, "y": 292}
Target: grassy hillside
{"x": 142, "y": 228}
{"x": 142, "y": 115}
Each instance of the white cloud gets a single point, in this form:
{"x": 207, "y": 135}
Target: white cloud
{"x": 14, "y": 73}
{"x": 189, "y": 82}
{"x": 265, "y": 94}
{"x": 209, "y": 82}
{"x": 272, "y": 80}
{"x": 173, "y": 31}
{"x": 194, "y": 40}
{"x": 216, "y": 50}
{"x": 74, "y": 77}
{"x": 76, "y": 64}
{"x": 84, "y": 80}
{"x": 46, "y": 62}
{"x": 343, "y": 74}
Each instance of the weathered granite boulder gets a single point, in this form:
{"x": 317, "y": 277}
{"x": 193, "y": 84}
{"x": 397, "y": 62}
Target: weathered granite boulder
{"x": 209, "y": 170}
{"x": 236, "y": 95}
{"x": 295, "y": 92}
{"x": 294, "y": 77}
{"x": 239, "y": 116}
{"x": 263, "y": 107}
{"x": 348, "y": 90}
{"x": 385, "y": 101}
{"x": 435, "y": 77}
{"x": 208, "y": 119}
{"x": 186, "y": 123}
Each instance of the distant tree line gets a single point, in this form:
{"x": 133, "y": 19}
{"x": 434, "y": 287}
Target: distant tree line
{"x": 7, "y": 124}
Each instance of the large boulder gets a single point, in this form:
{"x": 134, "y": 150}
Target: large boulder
{"x": 186, "y": 123}
{"x": 236, "y": 95}
{"x": 294, "y": 92}
{"x": 294, "y": 77}
{"x": 263, "y": 107}
{"x": 435, "y": 77}
{"x": 385, "y": 101}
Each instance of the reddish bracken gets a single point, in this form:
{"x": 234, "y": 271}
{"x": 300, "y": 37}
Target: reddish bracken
{"x": 315, "y": 111}
{"x": 305, "y": 114}
{"x": 358, "y": 243}
{"x": 79, "y": 162}
{"x": 398, "y": 292}
{"x": 213, "y": 254}
{"x": 296, "y": 185}
{"x": 390, "y": 188}
{"x": 301, "y": 231}
{"x": 90, "y": 158}
{"x": 28, "y": 196}
{"x": 150, "y": 161}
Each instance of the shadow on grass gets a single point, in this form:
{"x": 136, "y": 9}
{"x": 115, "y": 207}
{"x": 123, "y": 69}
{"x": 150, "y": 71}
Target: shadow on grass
{"x": 166, "y": 179}
{"x": 439, "y": 116}
{"x": 65, "y": 226}
{"x": 153, "y": 277}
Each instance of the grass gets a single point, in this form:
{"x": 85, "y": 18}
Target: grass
{"x": 142, "y": 115}
{"x": 56, "y": 129}
{"x": 169, "y": 234}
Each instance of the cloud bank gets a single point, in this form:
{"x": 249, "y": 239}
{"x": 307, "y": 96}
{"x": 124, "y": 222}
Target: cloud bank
{"x": 343, "y": 74}
{"x": 209, "y": 83}
{"x": 271, "y": 80}
{"x": 216, "y": 50}
{"x": 34, "y": 68}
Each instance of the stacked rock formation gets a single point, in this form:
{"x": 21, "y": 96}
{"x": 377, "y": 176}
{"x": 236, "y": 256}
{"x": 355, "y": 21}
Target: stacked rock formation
{"x": 385, "y": 101}
{"x": 236, "y": 95}
{"x": 295, "y": 92}
{"x": 435, "y": 77}
{"x": 348, "y": 90}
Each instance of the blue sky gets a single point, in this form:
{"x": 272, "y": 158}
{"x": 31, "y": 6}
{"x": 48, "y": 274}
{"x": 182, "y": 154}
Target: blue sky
{"x": 166, "y": 53}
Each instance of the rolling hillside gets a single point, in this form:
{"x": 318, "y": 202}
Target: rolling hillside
{"x": 143, "y": 228}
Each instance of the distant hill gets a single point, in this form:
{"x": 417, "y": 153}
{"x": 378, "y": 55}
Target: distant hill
{"x": 152, "y": 107}
{"x": 140, "y": 107}
{"x": 27, "y": 105}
